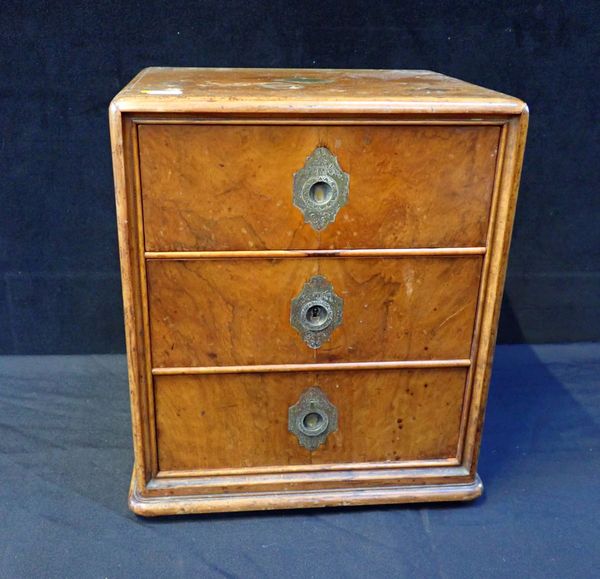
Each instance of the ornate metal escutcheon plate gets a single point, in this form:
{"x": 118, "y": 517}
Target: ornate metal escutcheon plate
{"x": 312, "y": 418}
{"x": 316, "y": 311}
{"x": 320, "y": 188}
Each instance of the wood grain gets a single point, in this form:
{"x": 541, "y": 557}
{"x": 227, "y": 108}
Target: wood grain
{"x": 230, "y": 187}
{"x": 231, "y": 312}
{"x": 221, "y": 421}
{"x": 311, "y": 92}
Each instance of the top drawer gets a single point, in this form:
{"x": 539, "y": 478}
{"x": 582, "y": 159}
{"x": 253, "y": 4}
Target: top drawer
{"x": 230, "y": 187}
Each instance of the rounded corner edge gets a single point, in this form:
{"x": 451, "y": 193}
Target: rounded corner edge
{"x": 137, "y": 503}
{"x": 475, "y": 489}
{"x": 113, "y": 107}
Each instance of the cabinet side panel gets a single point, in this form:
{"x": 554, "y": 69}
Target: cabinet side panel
{"x": 498, "y": 248}
{"x": 122, "y": 141}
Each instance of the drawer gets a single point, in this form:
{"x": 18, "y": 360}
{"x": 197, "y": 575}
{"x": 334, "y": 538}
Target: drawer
{"x": 230, "y": 187}
{"x": 230, "y": 312}
{"x": 222, "y": 421}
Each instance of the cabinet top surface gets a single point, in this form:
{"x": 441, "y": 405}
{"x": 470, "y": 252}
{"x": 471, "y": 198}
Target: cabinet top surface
{"x": 306, "y": 91}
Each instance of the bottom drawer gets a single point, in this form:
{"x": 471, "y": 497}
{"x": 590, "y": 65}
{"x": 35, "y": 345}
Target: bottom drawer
{"x": 224, "y": 421}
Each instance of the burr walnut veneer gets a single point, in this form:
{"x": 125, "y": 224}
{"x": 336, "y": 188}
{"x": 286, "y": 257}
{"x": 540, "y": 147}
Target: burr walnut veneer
{"x": 312, "y": 264}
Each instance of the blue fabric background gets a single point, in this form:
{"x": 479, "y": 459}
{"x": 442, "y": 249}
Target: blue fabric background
{"x": 61, "y": 63}
{"x": 65, "y": 462}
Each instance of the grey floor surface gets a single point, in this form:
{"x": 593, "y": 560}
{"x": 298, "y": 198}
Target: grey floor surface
{"x": 65, "y": 460}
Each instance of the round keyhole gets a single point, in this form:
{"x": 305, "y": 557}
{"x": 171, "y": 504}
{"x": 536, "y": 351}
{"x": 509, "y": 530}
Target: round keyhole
{"x": 312, "y": 421}
{"x": 320, "y": 192}
{"x": 316, "y": 316}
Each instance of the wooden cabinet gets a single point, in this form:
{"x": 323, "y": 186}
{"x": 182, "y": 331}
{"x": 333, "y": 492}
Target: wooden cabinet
{"x": 312, "y": 268}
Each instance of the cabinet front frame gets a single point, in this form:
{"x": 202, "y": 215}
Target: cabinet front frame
{"x": 149, "y": 481}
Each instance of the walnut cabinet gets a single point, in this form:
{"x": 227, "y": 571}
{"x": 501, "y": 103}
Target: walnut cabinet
{"x": 312, "y": 265}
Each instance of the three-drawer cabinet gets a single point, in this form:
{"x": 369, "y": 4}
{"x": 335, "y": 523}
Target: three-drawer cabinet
{"x": 312, "y": 265}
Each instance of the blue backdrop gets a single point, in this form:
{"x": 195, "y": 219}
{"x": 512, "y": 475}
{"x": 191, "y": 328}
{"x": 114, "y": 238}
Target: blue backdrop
{"x": 61, "y": 63}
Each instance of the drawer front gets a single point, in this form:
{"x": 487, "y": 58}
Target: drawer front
{"x": 230, "y": 187}
{"x": 224, "y": 421}
{"x": 230, "y": 312}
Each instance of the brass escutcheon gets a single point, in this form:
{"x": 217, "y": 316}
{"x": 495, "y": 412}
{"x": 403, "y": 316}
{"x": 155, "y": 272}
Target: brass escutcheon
{"x": 316, "y": 311}
{"x": 320, "y": 188}
{"x": 312, "y": 418}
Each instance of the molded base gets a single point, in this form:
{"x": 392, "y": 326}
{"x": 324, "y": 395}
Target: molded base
{"x": 195, "y": 504}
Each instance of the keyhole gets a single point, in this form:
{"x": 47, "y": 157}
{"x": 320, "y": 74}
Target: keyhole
{"x": 312, "y": 421}
{"x": 321, "y": 192}
{"x": 316, "y": 315}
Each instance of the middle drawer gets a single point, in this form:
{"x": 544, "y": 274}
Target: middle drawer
{"x": 246, "y": 311}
